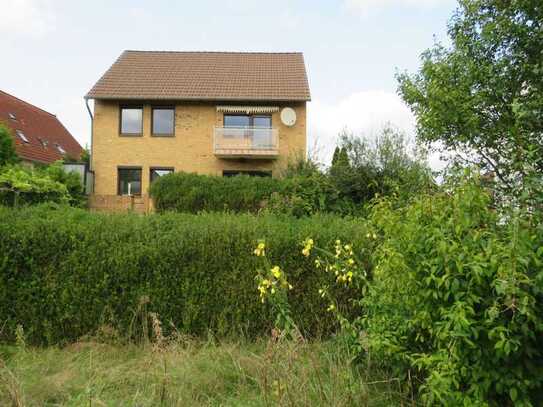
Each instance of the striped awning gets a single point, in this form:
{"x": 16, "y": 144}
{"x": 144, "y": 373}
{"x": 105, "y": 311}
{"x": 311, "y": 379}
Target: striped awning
{"x": 247, "y": 109}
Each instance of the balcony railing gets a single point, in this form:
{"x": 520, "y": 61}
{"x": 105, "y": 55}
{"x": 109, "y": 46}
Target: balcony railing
{"x": 246, "y": 142}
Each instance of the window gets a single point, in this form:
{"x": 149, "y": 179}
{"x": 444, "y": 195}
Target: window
{"x": 242, "y": 120}
{"x": 163, "y": 121}
{"x": 159, "y": 172}
{"x": 129, "y": 181}
{"x": 131, "y": 120}
{"x": 233, "y": 173}
{"x": 22, "y": 136}
{"x": 43, "y": 142}
{"x": 60, "y": 149}
{"x": 12, "y": 116}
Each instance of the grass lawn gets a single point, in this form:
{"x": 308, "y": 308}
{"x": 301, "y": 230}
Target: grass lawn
{"x": 189, "y": 373}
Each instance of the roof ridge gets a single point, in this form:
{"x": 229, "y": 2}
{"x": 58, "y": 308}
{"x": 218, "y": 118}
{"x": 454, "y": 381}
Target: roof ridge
{"x": 27, "y": 103}
{"x": 214, "y": 52}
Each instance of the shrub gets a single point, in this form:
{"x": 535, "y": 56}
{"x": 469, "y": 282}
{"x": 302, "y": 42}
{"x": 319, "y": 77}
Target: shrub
{"x": 23, "y": 185}
{"x": 64, "y": 272}
{"x": 184, "y": 192}
{"x": 456, "y": 299}
{"x": 386, "y": 166}
{"x": 20, "y": 185}
{"x": 8, "y": 155}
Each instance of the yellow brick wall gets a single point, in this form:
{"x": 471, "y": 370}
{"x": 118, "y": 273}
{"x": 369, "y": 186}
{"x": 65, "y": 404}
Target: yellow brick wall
{"x": 190, "y": 150}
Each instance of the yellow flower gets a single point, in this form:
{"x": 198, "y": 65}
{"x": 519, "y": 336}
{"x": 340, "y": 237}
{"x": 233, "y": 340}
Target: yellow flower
{"x": 331, "y": 308}
{"x": 350, "y": 262}
{"x": 308, "y": 245}
{"x": 276, "y": 271}
{"x": 290, "y": 287}
{"x": 260, "y": 250}
{"x": 273, "y": 290}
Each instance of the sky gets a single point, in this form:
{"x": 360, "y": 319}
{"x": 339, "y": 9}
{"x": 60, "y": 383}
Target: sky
{"x": 55, "y": 50}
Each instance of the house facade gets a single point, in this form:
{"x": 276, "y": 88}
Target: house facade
{"x": 39, "y": 136}
{"x": 217, "y": 113}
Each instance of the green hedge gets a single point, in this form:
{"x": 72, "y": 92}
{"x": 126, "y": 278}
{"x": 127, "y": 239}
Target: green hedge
{"x": 184, "y": 192}
{"x": 65, "y": 272}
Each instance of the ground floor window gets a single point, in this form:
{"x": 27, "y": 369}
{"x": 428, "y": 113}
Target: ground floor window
{"x": 157, "y": 172}
{"x": 233, "y": 173}
{"x": 129, "y": 181}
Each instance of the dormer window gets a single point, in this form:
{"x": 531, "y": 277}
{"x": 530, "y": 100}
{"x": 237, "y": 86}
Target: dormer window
{"x": 43, "y": 142}
{"x": 60, "y": 149}
{"x": 22, "y": 136}
{"x": 12, "y": 116}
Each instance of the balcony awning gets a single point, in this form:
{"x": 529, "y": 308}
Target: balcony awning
{"x": 247, "y": 109}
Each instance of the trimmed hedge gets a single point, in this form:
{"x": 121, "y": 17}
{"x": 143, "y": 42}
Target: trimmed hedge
{"x": 192, "y": 193}
{"x": 65, "y": 272}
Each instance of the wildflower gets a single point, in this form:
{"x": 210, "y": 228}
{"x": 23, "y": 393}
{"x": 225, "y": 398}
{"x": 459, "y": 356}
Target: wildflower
{"x": 290, "y": 287}
{"x": 374, "y": 236}
{"x": 368, "y": 235}
{"x": 322, "y": 292}
{"x": 308, "y": 245}
{"x": 331, "y": 308}
{"x": 260, "y": 250}
{"x": 350, "y": 262}
{"x": 276, "y": 271}
{"x": 318, "y": 263}
{"x": 273, "y": 290}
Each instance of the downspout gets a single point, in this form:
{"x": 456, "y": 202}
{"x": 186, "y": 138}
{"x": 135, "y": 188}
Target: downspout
{"x": 91, "y": 170}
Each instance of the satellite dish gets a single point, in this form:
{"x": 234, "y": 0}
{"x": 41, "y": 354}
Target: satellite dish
{"x": 288, "y": 116}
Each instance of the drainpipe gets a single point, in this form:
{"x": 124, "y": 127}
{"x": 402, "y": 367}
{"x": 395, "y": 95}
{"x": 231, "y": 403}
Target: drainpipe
{"x": 91, "y": 170}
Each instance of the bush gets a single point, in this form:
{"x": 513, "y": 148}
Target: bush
{"x": 456, "y": 300}
{"x": 65, "y": 272}
{"x": 20, "y": 185}
{"x": 24, "y": 185}
{"x": 8, "y": 155}
{"x": 184, "y": 192}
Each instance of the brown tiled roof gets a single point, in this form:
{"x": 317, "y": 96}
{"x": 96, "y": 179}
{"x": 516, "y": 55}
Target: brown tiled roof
{"x": 42, "y": 129}
{"x": 164, "y": 75}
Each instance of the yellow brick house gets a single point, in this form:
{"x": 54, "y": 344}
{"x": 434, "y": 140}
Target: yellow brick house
{"x": 221, "y": 113}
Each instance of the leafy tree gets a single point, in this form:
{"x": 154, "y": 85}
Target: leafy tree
{"x": 335, "y": 157}
{"x": 7, "y": 149}
{"x": 482, "y": 98}
{"x": 384, "y": 166}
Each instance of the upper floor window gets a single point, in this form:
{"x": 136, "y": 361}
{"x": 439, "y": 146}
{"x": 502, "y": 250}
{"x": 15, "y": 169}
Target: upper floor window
{"x": 163, "y": 121}
{"x": 244, "y": 120}
{"x": 131, "y": 120}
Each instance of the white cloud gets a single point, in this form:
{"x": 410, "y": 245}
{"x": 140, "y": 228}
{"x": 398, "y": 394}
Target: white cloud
{"x": 27, "y": 17}
{"x": 365, "y": 6}
{"x": 364, "y": 114}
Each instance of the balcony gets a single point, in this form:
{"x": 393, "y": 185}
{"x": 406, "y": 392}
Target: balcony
{"x": 246, "y": 142}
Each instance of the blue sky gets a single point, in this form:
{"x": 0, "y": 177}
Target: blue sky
{"x": 56, "y": 49}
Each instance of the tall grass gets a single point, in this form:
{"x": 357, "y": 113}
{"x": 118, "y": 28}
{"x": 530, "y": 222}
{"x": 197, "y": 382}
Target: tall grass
{"x": 186, "y": 372}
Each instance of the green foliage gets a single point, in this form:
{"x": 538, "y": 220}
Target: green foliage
{"x": 184, "y": 192}
{"x": 482, "y": 98}
{"x": 24, "y": 185}
{"x": 386, "y": 166}
{"x": 456, "y": 299}
{"x": 8, "y": 155}
{"x": 21, "y": 185}
{"x": 65, "y": 272}
{"x": 307, "y": 195}
{"x": 72, "y": 181}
